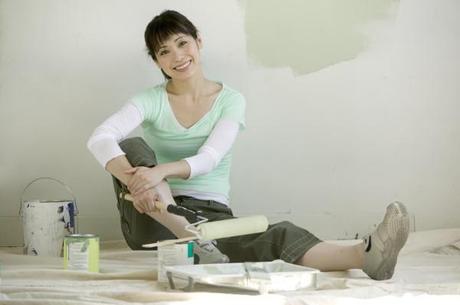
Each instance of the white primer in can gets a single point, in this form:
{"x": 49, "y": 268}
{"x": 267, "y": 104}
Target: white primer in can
{"x": 45, "y": 223}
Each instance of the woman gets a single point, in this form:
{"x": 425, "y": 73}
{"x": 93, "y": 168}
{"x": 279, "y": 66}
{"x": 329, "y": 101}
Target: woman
{"x": 191, "y": 123}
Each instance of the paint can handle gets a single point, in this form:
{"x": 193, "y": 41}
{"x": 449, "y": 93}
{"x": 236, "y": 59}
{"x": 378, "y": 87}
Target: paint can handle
{"x": 69, "y": 190}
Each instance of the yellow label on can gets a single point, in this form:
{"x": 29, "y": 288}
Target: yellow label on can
{"x": 81, "y": 252}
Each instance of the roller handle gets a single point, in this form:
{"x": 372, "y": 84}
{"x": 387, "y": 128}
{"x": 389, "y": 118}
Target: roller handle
{"x": 173, "y": 209}
{"x": 181, "y": 211}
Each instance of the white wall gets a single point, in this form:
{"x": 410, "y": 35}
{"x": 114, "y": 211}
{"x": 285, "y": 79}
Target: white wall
{"x": 327, "y": 149}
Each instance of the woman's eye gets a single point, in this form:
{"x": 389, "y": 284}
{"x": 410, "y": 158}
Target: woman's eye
{"x": 164, "y": 52}
{"x": 182, "y": 43}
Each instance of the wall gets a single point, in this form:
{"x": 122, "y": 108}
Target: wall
{"x": 372, "y": 118}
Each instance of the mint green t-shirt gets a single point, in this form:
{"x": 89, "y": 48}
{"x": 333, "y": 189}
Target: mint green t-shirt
{"x": 172, "y": 142}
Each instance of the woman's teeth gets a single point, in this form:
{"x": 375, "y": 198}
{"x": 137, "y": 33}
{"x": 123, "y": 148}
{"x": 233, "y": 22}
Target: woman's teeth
{"x": 183, "y": 66}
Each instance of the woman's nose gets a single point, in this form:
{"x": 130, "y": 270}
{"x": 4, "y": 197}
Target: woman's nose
{"x": 177, "y": 54}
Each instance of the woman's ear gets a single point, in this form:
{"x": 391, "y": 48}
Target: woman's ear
{"x": 199, "y": 41}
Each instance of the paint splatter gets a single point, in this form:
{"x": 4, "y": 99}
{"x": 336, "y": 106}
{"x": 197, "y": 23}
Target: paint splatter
{"x": 309, "y": 35}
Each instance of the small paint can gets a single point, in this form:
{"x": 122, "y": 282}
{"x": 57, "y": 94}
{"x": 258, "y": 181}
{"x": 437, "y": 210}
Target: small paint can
{"x": 81, "y": 252}
{"x": 173, "y": 255}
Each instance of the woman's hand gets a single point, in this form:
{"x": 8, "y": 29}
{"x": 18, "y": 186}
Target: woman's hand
{"x": 145, "y": 202}
{"x": 143, "y": 179}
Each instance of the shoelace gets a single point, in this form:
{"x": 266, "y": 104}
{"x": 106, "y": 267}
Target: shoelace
{"x": 207, "y": 245}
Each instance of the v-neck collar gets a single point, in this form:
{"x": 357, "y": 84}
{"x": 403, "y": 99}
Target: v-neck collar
{"x": 173, "y": 115}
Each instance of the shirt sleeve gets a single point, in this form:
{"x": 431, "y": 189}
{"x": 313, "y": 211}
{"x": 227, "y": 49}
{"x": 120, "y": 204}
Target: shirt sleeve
{"x": 218, "y": 144}
{"x": 103, "y": 143}
{"x": 234, "y": 109}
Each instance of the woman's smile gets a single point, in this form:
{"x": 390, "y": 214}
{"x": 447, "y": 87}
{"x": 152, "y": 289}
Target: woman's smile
{"x": 183, "y": 66}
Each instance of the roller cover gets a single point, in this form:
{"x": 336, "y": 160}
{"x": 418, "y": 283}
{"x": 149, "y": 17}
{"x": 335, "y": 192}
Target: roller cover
{"x": 233, "y": 227}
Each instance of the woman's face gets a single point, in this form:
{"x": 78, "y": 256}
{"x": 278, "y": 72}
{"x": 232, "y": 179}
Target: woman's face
{"x": 179, "y": 56}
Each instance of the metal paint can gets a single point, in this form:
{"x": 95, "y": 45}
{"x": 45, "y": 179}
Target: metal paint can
{"x": 81, "y": 252}
{"x": 45, "y": 224}
{"x": 173, "y": 255}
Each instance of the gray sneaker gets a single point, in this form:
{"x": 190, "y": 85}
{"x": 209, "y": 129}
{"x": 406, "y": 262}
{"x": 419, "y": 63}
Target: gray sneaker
{"x": 383, "y": 245}
{"x": 207, "y": 253}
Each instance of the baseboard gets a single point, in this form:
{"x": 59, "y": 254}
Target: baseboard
{"x": 107, "y": 228}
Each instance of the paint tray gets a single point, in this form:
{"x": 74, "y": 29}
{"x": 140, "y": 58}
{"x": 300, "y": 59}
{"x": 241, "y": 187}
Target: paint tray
{"x": 275, "y": 276}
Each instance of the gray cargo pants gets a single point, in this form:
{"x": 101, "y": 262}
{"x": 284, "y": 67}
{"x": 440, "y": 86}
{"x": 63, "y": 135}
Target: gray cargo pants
{"x": 281, "y": 240}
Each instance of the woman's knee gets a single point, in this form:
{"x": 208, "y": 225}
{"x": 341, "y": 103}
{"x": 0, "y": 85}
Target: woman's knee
{"x": 138, "y": 152}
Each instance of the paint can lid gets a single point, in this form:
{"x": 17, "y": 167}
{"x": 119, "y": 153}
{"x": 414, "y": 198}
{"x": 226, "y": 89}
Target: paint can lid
{"x": 81, "y": 235}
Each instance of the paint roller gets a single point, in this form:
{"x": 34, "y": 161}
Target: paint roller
{"x": 230, "y": 227}
{"x": 204, "y": 230}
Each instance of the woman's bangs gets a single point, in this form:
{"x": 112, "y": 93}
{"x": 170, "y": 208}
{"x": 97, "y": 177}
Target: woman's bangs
{"x": 164, "y": 32}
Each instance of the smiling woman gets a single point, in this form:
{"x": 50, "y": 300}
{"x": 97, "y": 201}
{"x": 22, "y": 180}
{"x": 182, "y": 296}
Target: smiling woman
{"x": 190, "y": 124}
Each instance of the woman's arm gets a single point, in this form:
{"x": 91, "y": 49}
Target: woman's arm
{"x": 103, "y": 143}
{"x": 218, "y": 144}
{"x": 209, "y": 155}
{"x": 119, "y": 167}
{"x": 144, "y": 178}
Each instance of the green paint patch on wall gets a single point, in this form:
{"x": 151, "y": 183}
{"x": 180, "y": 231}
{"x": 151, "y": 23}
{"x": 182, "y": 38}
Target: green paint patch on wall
{"x": 308, "y": 35}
